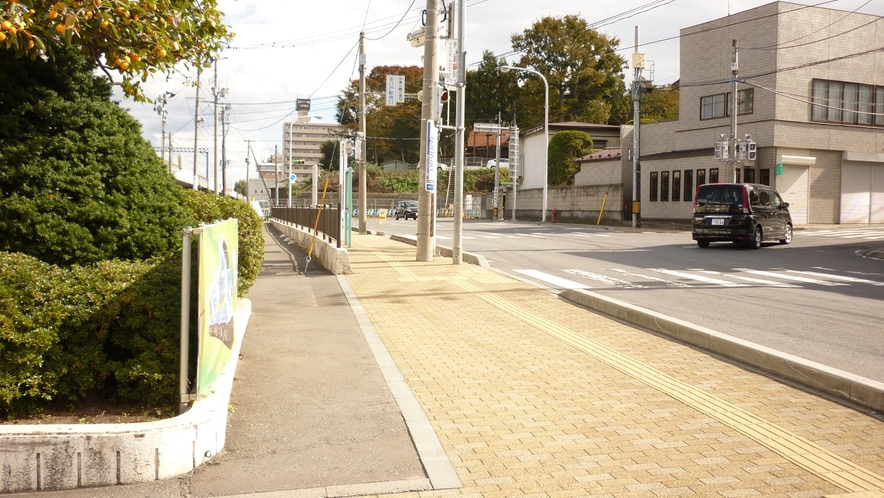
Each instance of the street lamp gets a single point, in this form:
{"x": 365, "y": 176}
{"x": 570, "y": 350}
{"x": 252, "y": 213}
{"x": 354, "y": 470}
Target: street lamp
{"x": 506, "y": 69}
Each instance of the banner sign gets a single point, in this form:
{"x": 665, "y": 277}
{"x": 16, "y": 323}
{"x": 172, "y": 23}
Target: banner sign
{"x": 218, "y": 260}
{"x": 302, "y": 104}
{"x": 432, "y": 143}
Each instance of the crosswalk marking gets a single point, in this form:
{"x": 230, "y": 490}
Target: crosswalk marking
{"x": 552, "y": 279}
{"x": 791, "y": 277}
{"x": 651, "y": 278}
{"x": 700, "y": 278}
{"x": 838, "y": 277}
{"x": 616, "y": 282}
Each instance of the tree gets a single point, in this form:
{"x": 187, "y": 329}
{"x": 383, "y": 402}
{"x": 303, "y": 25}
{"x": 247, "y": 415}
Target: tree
{"x": 584, "y": 72}
{"x": 491, "y": 92}
{"x": 564, "y": 148}
{"x": 393, "y": 131}
{"x": 124, "y": 38}
{"x": 241, "y": 188}
{"x": 331, "y": 155}
{"x": 660, "y": 105}
{"x": 78, "y": 183}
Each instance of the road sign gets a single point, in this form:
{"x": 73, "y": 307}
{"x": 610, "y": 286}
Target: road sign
{"x": 293, "y": 178}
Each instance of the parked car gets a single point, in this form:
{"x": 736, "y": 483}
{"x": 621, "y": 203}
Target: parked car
{"x": 406, "y": 209}
{"x": 441, "y": 167}
{"x": 742, "y": 213}
{"x": 504, "y": 163}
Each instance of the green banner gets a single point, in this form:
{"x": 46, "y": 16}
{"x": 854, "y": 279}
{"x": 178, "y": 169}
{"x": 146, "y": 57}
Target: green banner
{"x": 218, "y": 251}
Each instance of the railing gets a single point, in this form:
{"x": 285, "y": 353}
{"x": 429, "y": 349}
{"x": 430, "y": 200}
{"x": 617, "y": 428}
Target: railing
{"x": 329, "y": 227}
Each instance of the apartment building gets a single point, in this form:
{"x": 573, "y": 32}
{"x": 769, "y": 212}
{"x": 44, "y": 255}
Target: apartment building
{"x": 810, "y": 93}
{"x": 301, "y": 139}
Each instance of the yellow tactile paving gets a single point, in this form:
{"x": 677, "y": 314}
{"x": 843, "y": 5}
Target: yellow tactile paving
{"x": 530, "y": 395}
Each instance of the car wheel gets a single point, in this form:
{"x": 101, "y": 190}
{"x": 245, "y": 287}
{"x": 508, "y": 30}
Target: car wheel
{"x": 397, "y": 217}
{"x": 757, "y": 237}
{"x": 703, "y": 243}
{"x": 787, "y": 237}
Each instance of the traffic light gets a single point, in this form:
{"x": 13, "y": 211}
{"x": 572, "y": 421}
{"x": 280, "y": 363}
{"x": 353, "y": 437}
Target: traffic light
{"x": 444, "y": 96}
{"x": 296, "y": 162}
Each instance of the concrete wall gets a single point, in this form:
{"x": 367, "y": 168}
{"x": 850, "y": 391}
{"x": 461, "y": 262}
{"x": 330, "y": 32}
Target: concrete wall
{"x": 330, "y": 257}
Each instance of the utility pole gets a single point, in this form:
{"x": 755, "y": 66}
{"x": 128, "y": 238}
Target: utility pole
{"x": 457, "y": 249}
{"x": 222, "y": 92}
{"x": 732, "y": 143}
{"x": 161, "y": 110}
{"x": 248, "y": 153}
{"x": 363, "y": 176}
{"x": 196, "y": 131}
{"x": 426, "y": 198}
{"x": 224, "y": 124}
{"x": 276, "y": 179}
{"x": 638, "y": 62}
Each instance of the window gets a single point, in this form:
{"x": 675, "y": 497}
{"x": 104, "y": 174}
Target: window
{"x": 688, "y": 185}
{"x": 719, "y": 106}
{"x": 676, "y": 186}
{"x": 712, "y": 106}
{"x": 664, "y": 186}
{"x": 849, "y": 103}
{"x": 749, "y": 175}
{"x": 653, "y": 186}
{"x": 701, "y": 177}
{"x": 764, "y": 176}
{"x": 737, "y": 176}
{"x": 713, "y": 175}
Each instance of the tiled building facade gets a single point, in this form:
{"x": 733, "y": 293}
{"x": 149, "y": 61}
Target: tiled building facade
{"x": 810, "y": 93}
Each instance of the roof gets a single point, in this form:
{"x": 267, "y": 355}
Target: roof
{"x": 574, "y": 125}
{"x": 601, "y": 155}
{"x": 483, "y": 139}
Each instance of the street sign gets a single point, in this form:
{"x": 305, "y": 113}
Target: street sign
{"x": 293, "y": 178}
{"x": 486, "y": 127}
{"x": 430, "y": 161}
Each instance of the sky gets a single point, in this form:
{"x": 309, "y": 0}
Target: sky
{"x": 286, "y": 50}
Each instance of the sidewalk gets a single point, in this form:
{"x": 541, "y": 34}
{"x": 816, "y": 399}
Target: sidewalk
{"x": 528, "y": 395}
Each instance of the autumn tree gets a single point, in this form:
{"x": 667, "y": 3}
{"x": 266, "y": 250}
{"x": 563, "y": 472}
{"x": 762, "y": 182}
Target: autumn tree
{"x": 125, "y": 39}
{"x": 660, "y": 105}
{"x": 393, "y": 131}
{"x": 584, "y": 72}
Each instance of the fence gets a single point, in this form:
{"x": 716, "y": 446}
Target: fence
{"x": 329, "y": 227}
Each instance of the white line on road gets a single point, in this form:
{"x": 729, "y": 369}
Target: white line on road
{"x": 554, "y": 280}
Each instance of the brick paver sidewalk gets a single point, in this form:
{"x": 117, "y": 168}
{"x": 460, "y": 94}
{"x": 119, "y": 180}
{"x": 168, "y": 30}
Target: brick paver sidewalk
{"x": 531, "y": 395}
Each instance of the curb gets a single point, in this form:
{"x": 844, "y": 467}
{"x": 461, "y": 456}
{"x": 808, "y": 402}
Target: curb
{"x": 67, "y": 456}
{"x": 834, "y": 382}
{"x": 468, "y": 257}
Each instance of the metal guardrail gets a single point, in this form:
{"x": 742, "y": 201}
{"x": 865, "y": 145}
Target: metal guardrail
{"x": 329, "y": 227}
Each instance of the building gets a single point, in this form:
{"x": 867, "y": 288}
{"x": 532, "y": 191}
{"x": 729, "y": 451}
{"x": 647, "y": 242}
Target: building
{"x": 302, "y": 139}
{"x": 810, "y": 93}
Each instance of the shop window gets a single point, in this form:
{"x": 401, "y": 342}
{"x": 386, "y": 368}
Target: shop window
{"x": 664, "y": 186}
{"x": 688, "y": 185}
{"x": 653, "y": 187}
{"x": 676, "y": 186}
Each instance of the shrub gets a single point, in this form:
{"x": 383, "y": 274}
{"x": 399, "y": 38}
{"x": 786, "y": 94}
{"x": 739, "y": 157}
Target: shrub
{"x": 564, "y": 148}
{"x": 208, "y": 208}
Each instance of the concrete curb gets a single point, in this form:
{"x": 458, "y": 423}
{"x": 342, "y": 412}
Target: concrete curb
{"x": 467, "y": 257}
{"x": 61, "y": 456}
{"x": 834, "y": 382}
{"x": 438, "y": 467}
{"x": 335, "y": 260}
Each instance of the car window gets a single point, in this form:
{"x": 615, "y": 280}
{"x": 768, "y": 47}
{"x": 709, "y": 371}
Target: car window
{"x": 775, "y": 200}
{"x": 765, "y": 198}
{"x": 753, "y": 197}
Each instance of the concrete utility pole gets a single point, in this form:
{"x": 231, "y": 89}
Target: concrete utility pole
{"x": 224, "y": 123}
{"x": 638, "y": 62}
{"x": 426, "y": 199}
{"x": 196, "y": 131}
{"x": 732, "y": 143}
{"x": 363, "y": 176}
{"x": 276, "y": 179}
{"x": 215, "y": 125}
{"x": 248, "y": 152}
{"x": 457, "y": 246}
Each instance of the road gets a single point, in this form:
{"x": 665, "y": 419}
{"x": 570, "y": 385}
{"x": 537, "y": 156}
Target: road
{"x": 819, "y": 298}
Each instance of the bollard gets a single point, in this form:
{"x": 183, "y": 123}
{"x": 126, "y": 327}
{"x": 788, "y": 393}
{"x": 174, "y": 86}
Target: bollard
{"x": 554, "y": 212}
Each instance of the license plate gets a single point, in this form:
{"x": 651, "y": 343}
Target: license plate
{"x": 717, "y": 221}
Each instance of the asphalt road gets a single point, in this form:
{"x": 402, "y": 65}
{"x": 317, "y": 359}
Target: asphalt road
{"x": 820, "y": 298}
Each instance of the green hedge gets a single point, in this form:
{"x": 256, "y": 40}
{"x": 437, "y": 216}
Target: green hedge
{"x": 110, "y": 329}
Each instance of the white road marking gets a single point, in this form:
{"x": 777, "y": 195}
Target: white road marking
{"x": 700, "y": 278}
{"x": 554, "y": 280}
{"x": 651, "y": 278}
{"x": 616, "y": 282}
{"x": 838, "y": 277}
{"x": 789, "y": 277}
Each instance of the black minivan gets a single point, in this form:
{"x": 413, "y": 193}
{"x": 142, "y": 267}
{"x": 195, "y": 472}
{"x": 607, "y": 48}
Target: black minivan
{"x": 743, "y": 213}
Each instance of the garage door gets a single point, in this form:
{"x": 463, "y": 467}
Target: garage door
{"x": 793, "y": 186}
{"x": 862, "y": 193}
